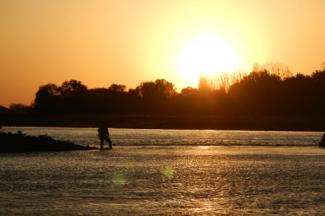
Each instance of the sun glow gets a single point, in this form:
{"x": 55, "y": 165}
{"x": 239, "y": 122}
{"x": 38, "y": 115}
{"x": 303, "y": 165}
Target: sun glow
{"x": 206, "y": 55}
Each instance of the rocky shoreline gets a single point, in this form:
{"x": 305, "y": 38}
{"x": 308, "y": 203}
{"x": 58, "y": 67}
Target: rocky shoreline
{"x": 19, "y": 142}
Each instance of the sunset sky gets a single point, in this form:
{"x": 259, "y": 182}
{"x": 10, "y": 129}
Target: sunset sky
{"x": 101, "y": 42}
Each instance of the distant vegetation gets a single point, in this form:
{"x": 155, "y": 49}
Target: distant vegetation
{"x": 260, "y": 93}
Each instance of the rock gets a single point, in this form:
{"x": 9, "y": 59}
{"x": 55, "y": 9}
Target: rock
{"x": 19, "y": 142}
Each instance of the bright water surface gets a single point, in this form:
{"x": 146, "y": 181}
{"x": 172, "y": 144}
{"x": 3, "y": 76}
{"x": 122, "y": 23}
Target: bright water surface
{"x": 167, "y": 172}
{"x": 141, "y": 137}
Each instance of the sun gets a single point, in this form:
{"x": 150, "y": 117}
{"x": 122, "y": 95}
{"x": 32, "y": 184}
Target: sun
{"x": 206, "y": 55}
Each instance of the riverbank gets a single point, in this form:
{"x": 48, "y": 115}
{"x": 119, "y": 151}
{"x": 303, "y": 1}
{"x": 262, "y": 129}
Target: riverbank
{"x": 251, "y": 122}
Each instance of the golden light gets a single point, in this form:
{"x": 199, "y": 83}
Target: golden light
{"x": 206, "y": 55}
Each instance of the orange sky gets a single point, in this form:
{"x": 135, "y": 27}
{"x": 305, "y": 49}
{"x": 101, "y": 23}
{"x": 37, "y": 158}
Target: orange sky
{"x": 101, "y": 42}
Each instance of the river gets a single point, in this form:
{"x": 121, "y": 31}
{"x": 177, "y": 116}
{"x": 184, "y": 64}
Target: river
{"x": 167, "y": 172}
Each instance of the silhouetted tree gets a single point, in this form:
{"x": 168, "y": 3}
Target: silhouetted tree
{"x": 256, "y": 93}
{"x": 323, "y": 66}
{"x": 277, "y": 69}
{"x": 72, "y": 96}
{"x": 47, "y": 99}
{"x": 3, "y": 110}
{"x": 72, "y": 88}
{"x": 17, "y": 108}
{"x": 319, "y": 75}
{"x": 117, "y": 98}
{"x": 118, "y": 88}
{"x": 303, "y": 94}
{"x": 155, "y": 94}
{"x": 97, "y": 100}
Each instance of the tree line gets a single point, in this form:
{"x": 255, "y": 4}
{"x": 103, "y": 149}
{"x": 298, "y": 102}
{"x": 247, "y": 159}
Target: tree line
{"x": 259, "y": 93}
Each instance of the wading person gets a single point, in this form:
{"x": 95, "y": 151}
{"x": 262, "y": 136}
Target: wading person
{"x": 322, "y": 141}
{"x": 103, "y": 135}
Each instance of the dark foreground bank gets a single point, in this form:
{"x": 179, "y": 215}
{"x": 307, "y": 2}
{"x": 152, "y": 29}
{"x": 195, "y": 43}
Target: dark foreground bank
{"x": 19, "y": 142}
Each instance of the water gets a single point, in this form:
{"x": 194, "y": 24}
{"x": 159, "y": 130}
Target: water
{"x": 168, "y": 172}
{"x": 157, "y": 137}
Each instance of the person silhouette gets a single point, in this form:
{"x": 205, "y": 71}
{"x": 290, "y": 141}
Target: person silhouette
{"x": 103, "y": 135}
{"x": 322, "y": 141}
